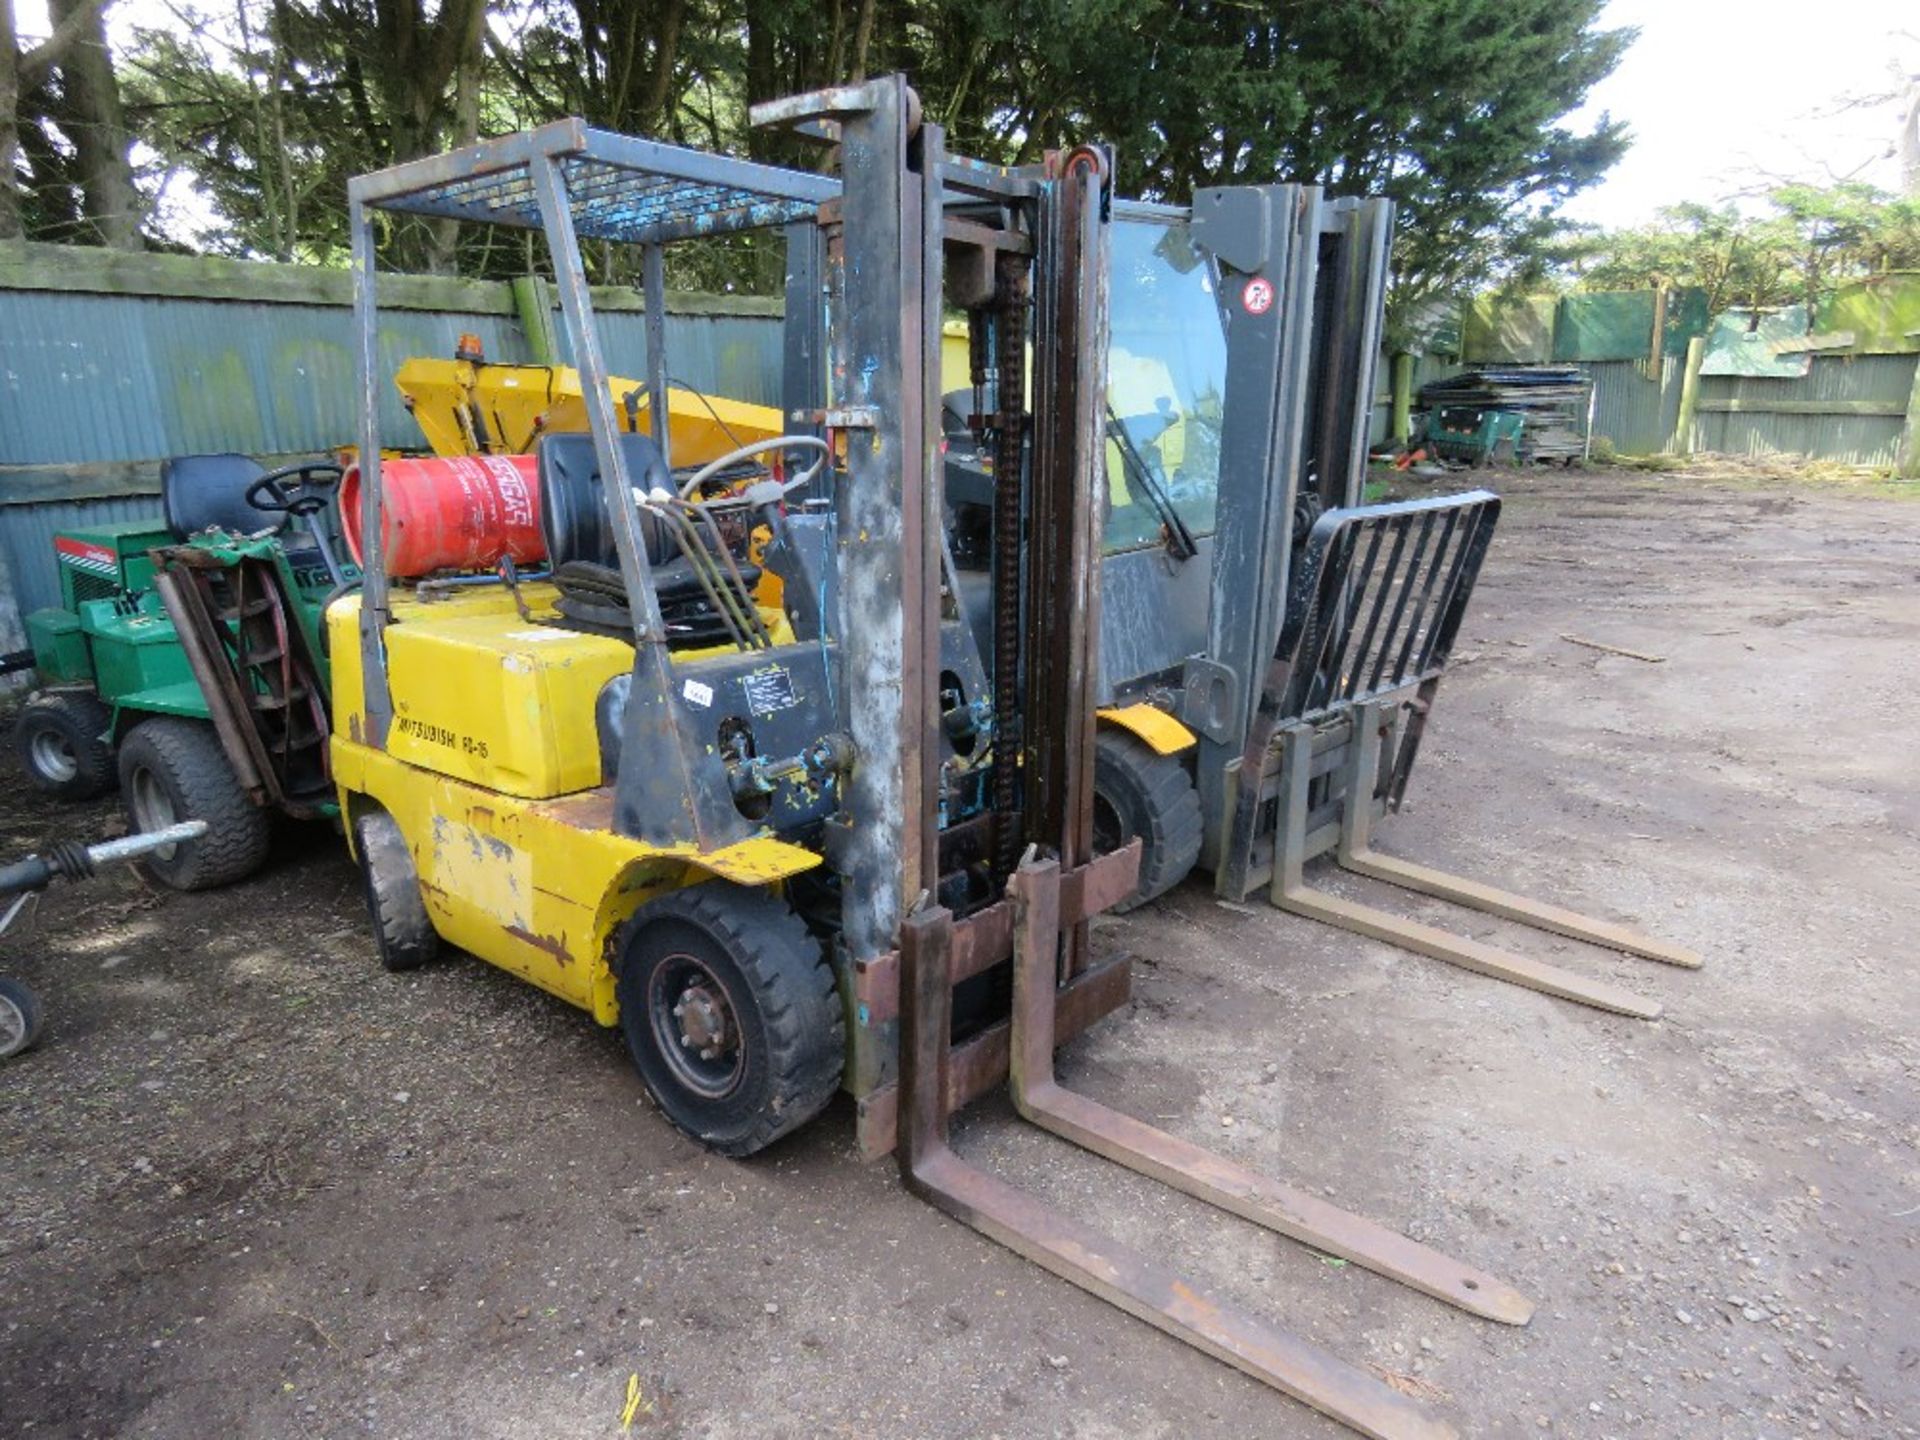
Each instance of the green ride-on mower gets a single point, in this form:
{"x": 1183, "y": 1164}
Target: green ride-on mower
{"x": 186, "y": 661}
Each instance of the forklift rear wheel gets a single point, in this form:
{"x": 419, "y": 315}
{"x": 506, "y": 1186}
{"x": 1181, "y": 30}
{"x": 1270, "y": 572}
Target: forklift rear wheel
{"x": 730, "y": 1014}
{"x": 402, "y": 931}
{"x": 19, "y": 1018}
{"x": 1139, "y": 792}
{"x": 173, "y": 769}
{"x": 60, "y": 737}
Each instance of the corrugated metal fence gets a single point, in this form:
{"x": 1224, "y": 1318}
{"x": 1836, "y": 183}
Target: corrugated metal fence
{"x": 1636, "y": 408}
{"x": 109, "y": 364}
{"x": 1848, "y": 408}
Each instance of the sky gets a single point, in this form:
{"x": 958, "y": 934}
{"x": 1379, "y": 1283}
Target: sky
{"x": 1719, "y": 94}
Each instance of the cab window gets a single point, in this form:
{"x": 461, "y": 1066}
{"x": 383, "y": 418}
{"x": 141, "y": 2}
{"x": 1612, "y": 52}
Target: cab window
{"x": 1166, "y": 378}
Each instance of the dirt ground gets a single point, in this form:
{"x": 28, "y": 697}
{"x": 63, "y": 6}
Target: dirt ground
{"x": 253, "y": 1186}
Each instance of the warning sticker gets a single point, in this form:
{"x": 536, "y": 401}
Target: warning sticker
{"x": 697, "y": 693}
{"x": 769, "y": 690}
{"x": 1258, "y": 296}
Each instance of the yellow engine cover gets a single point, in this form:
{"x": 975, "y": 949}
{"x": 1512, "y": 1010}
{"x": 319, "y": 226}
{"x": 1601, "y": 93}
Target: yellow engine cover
{"x": 481, "y": 694}
{"x": 520, "y": 403}
{"x": 485, "y": 696}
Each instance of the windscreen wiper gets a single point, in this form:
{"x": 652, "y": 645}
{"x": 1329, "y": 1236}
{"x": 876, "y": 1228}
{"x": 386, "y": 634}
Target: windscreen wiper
{"x": 1146, "y": 488}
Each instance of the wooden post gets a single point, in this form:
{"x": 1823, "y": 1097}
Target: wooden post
{"x": 1402, "y": 398}
{"x": 1689, "y": 396}
{"x": 533, "y": 303}
{"x": 1907, "y": 462}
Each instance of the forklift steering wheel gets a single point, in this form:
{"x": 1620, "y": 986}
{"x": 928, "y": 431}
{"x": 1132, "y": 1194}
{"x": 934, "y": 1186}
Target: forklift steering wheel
{"x": 278, "y": 491}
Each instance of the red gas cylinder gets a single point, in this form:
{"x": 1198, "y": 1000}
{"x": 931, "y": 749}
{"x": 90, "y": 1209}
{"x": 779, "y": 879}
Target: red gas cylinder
{"x": 460, "y": 512}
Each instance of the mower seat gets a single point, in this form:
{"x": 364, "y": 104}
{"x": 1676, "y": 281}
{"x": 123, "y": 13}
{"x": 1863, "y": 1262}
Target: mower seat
{"x": 204, "y": 492}
{"x": 573, "y": 510}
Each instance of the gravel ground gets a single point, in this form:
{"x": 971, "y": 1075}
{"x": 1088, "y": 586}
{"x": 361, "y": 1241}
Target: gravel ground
{"x": 253, "y": 1186}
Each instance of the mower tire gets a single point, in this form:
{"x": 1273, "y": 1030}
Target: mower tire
{"x": 1137, "y": 791}
{"x": 19, "y": 1018}
{"x": 402, "y": 931}
{"x": 731, "y": 1015}
{"x": 173, "y": 769}
{"x": 60, "y": 737}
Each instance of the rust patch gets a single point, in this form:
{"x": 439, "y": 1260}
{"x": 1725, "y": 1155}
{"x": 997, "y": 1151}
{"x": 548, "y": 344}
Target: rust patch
{"x": 876, "y": 989}
{"x": 554, "y": 947}
{"x": 589, "y": 810}
{"x": 436, "y": 897}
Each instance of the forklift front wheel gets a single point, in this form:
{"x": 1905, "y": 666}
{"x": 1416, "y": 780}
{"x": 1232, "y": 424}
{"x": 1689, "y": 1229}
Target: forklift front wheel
{"x": 19, "y": 1018}
{"x": 1139, "y": 792}
{"x": 402, "y": 931}
{"x": 61, "y": 740}
{"x": 730, "y": 1014}
{"x": 173, "y": 769}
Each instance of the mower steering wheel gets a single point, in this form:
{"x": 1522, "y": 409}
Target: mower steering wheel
{"x": 277, "y": 490}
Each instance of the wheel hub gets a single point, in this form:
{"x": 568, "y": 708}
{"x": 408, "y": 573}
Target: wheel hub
{"x": 696, "y": 1030}
{"x": 153, "y": 808}
{"x": 53, "y": 756}
{"x": 702, "y": 1018}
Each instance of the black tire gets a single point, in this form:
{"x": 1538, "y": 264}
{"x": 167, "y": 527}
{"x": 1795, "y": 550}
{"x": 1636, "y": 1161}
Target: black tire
{"x": 19, "y": 1018}
{"x": 402, "y": 931}
{"x": 60, "y": 738}
{"x": 173, "y": 769}
{"x": 762, "y": 993}
{"x": 1139, "y": 792}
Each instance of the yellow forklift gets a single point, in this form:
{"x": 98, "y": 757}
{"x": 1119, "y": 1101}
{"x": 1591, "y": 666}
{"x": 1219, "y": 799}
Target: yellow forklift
{"x": 738, "y": 776}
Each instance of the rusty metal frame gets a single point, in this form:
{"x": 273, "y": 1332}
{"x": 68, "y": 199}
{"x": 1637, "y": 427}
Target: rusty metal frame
{"x": 183, "y": 577}
{"x": 1187, "y": 1167}
{"x": 1074, "y": 1251}
{"x": 191, "y": 613}
{"x": 572, "y": 182}
{"x": 1375, "y": 608}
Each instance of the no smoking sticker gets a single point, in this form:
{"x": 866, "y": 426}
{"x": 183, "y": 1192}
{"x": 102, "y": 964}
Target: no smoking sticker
{"x": 1258, "y": 296}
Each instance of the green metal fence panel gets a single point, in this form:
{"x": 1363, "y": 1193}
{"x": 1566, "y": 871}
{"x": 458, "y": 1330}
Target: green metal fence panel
{"x": 1747, "y": 342}
{"x": 1618, "y": 324}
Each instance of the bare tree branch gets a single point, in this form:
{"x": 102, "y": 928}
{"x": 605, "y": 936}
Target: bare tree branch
{"x": 37, "y": 63}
